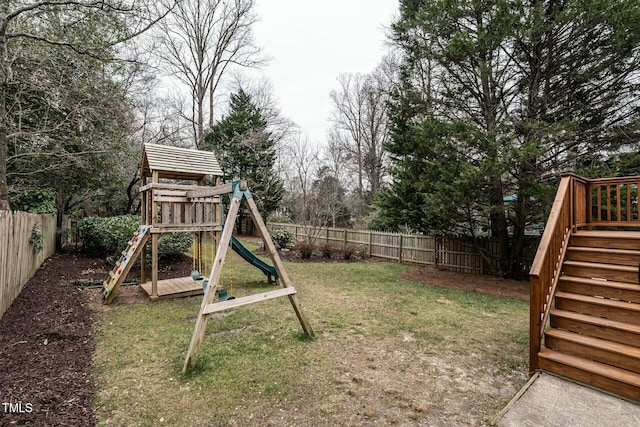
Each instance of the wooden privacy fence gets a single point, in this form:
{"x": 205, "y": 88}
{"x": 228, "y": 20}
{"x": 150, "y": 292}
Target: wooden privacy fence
{"x": 455, "y": 254}
{"x": 18, "y": 263}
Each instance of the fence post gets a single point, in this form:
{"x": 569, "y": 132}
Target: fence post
{"x": 436, "y": 251}
{"x": 327, "y": 234}
{"x": 370, "y": 243}
{"x": 345, "y": 237}
{"x": 400, "y": 250}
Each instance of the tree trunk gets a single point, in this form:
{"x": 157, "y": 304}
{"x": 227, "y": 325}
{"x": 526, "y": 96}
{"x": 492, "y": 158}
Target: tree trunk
{"x": 4, "y": 125}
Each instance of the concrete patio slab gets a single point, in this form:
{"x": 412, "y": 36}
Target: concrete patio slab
{"x": 548, "y": 400}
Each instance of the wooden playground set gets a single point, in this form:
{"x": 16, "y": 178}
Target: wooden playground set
{"x": 182, "y": 208}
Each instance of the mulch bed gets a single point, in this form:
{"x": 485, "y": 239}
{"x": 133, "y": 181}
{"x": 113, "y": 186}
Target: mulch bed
{"x": 46, "y": 347}
{"x": 470, "y": 282}
{"x": 47, "y": 343}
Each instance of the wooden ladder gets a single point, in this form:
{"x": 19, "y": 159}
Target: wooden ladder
{"x": 124, "y": 264}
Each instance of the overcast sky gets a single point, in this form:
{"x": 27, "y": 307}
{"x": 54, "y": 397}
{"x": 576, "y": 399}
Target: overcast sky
{"x": 311, "y": 43}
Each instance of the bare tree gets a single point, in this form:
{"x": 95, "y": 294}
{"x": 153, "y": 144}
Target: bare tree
{"x": 300, "y": 163}
{"x": 360, "y": 127}
{"x": 261, "y": 91}
{"x": 198, "y": 42}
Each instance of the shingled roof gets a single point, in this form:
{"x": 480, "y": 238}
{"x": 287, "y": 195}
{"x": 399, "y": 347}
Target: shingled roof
{"x": 178, "y": 163}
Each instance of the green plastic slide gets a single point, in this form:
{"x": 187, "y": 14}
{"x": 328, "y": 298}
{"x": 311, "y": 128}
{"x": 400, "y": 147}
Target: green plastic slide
{"x": 246, "y": 254}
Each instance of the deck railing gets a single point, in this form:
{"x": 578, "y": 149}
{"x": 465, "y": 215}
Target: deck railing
{"x": 579, "y": 203}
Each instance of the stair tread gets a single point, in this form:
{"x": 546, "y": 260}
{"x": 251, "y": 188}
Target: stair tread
{"x": 608, "y": 233}
{"x": 598, "y": 321}
{"x": 601, "y": 265}
{"x": 604, "y": 370}
{"x": 607, "y": 283}
{"x": 602, "y": 301}
{"x": 598, "y": 343}
{"x": 604, "y": 250}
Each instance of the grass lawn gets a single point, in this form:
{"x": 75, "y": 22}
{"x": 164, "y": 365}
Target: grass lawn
{"x": 388, "y": 351}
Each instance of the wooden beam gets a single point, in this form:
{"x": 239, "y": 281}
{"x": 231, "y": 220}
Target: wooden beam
{"x": 211, "y": 191}
{"x": 183, "y": 228}
{"x": 214, "y": 281}
{"x": 277, "y": 262}
{"x": 167, "y": 186}
{"x": 225, "y": 305}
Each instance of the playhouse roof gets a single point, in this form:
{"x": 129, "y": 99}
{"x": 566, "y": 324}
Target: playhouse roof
{"x": 178, "y": 163}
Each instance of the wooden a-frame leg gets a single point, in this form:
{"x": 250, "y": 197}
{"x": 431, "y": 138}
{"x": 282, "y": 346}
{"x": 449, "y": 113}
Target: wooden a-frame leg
{"x": 277, "y": 262}
{"x": 214, "y": 280}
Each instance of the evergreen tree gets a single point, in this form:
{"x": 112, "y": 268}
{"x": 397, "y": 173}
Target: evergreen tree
{"x": 496, "y": 99}
{"x": 246, "y": 149}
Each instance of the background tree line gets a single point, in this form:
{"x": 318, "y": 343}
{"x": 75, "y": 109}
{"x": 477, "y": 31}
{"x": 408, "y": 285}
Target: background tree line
{"x": 463, "y": 129}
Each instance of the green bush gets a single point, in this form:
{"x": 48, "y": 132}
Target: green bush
{"x": 108, "y": 237}
{"x": 282, "y": 238}
{"x": 174, "y": 244}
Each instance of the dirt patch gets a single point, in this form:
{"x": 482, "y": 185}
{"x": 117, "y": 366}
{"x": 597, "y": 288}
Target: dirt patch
{"x": 481, "y": 284}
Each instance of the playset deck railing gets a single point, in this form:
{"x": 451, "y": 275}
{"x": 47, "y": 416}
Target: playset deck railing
{"x": 179, "y": 208}
{"x": 579, "y": 203}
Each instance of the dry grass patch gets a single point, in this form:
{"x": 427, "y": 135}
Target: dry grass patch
{"x": 388, "y": 351}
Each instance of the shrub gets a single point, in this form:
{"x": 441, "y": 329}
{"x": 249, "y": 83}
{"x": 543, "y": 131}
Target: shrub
{"x": 305, "y": 248}
{"x": 282, "y": 238}
{"x": 327, "y": 249}
{"x": 362, "y": 251}
{"x": 36, "y": 239}
{"x": 108, "y": 237}
{"x": 174, "y": 244}
{"x": 279, "y": 218}
{"x": 348, "y": 251}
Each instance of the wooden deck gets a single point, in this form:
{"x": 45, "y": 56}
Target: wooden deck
{"x": 175, "y": 288}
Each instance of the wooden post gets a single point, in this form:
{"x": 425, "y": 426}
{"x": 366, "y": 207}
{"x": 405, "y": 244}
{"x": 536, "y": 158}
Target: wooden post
{"x": 154, "y": 266}
{"x": 275, "y": 259}
{"x": 534, "y": 323}
{"x": 370, "y": 242}
{"x": 154, "y": 239}
{"x": 214, "y": 281}
{"x": 144, "y": 221}
{"x": 216, "y": 234}
{"x": 400, "y": 249}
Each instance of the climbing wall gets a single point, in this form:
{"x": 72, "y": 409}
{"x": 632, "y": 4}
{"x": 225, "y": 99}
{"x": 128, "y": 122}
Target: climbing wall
{"x": 120, "y": 271}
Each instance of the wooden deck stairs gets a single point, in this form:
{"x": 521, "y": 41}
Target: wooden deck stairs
{"x": 587, "y": 326}
{"x": 594, "y": 331}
